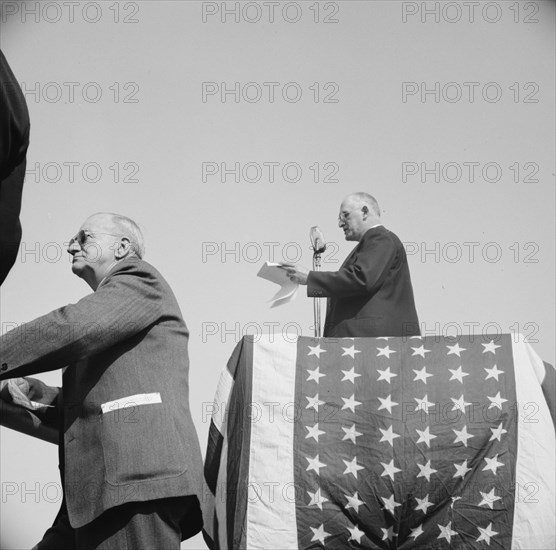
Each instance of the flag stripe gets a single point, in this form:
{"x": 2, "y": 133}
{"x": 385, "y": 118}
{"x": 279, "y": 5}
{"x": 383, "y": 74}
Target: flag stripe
{"x": 221, "y": 398}
{"x": 535, "y": 506}
{"x": 549, "y": 388}
{"x": 238, "y": 427}
{"x": 216, "y": 471}
{"x": 271, "y": 514}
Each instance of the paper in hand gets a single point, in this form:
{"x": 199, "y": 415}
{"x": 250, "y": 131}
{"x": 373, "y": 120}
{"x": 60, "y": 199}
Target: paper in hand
{"x": 275, "y": 273}
{"x": 20, "y": 398}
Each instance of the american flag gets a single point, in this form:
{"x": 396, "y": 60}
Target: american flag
{"x": 382, "y": 443}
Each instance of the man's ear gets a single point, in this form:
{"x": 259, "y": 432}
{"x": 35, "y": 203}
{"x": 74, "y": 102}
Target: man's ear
{"x": 122, "y": 248}
{"x": 365, "y": 210}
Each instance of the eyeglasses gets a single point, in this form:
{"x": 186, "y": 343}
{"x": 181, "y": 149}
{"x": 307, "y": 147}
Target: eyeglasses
{"x": 83, "y": 235}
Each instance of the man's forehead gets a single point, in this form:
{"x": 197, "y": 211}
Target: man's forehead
{"x": 348, "y": 204}
{"x": 98, "y": 221}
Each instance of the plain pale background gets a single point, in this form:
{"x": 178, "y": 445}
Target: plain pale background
{"x": 369, "y": 132}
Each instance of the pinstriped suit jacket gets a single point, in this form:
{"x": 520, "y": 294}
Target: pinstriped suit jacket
{"x": 127, "y": 428}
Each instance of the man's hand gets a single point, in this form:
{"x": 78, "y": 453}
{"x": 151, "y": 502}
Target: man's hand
{"x": 23, "y": 391}
{"x": 297, "y": 274}
{"x": 40, "y": 392}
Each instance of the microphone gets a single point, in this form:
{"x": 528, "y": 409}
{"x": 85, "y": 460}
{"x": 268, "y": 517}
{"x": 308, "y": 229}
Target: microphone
{"x": 317, "y": 240}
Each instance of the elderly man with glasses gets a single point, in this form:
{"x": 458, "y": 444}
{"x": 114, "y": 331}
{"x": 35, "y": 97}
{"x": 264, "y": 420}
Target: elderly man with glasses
{"x": 129, "y": 454}
{"x": 371, "y": 294}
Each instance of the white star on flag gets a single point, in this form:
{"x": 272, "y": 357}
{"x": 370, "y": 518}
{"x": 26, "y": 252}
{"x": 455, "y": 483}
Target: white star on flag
{"x": 426, "y": 470}
{"x": 390, "y": 469}
{"x": 316, "y": 350}
{"x": 420, "y": 351}
{"x": 351, "y": 434}
{"x": 314, "y": 432}
{"x": 460, "y": 404}
{"x": 350, "y": 375}
{"x": 316, "y": 498}
{"x": 446, "y": 531}
{"x": 315, "y": 375}
{"x": 385, "y": 375}
{"x": 462, "y": 435}
{"x": 388, "y": 534}
{"x": 461, "y": 469}
{"x": 423, "y": 503}
{"x": 458, "y": 374}
{"x": 315, "y": 464}
{"x": 387, "y": 403}
{"x": 423, "y": 404}
{"x": 352, "y": 467}
{"x": 489, "y": 498}
{"x": 496, "y": 401}
{"x": 354, "y": 502}
{"x": 416, "y": 531}
{"x": 494, "y": 372}
{"x": 350, "y": 403}
{"x": 385, "y": 351}
{"x": 314, "y": 402}
{"x": 486, "y": 533}
{"x": 388, "y": 435}
{"x": 319, "y": 534}
{"x": 350, "y": 351}
{"x": 497, "y": 433}
{"x": 421, "y": 375}
{"x": 356, "y": 534}
{"x": 455, "y": 349}
{"x": 390, "y": 504}
{"x": 493, "y": 464}
{"x": 425, "y": 436}
{"x": 490, "y": 347}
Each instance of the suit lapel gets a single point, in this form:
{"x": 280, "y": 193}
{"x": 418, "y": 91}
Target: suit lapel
{"x": 350, "y": 257}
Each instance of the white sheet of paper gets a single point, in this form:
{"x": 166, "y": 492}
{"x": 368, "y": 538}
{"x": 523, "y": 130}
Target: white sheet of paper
{"x": 274, "y": 273}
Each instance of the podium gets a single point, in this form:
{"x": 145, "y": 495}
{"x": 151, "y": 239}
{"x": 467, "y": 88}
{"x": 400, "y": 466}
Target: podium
{"x": 415, "y": 442}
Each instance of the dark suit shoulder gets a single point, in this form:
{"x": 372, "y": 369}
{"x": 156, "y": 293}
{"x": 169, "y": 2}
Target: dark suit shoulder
{"x": 380, "y": 233}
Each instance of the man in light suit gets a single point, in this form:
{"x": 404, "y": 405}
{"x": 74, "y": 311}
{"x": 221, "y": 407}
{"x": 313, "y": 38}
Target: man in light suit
{"x": 129, "y": 454}
{"x": 371, "y": 294}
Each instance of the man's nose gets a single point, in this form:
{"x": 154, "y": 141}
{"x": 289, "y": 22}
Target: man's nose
{"x": 73, "y": 247}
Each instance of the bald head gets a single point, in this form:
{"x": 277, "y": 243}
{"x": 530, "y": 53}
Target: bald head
{"x": 116, "y": 224}
{"x": 103, "y": 240}
{"x": 364, "y": 199}
{"x": 358, "y": 213}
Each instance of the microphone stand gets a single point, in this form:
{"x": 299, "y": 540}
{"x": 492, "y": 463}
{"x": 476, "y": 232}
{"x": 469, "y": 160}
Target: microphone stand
{"x": 316, "y": 301}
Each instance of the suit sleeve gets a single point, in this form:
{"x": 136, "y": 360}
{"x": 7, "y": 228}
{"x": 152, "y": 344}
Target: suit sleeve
{"x": 11, "y": 190}
{"x": 363, "y": 277}
{"x": 128, "y": 302}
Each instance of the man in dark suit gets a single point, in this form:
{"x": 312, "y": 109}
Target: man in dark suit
{"x": 129, "y": 454}
{"x": 14, "y": 141}
{"x": 371, "y": 294}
